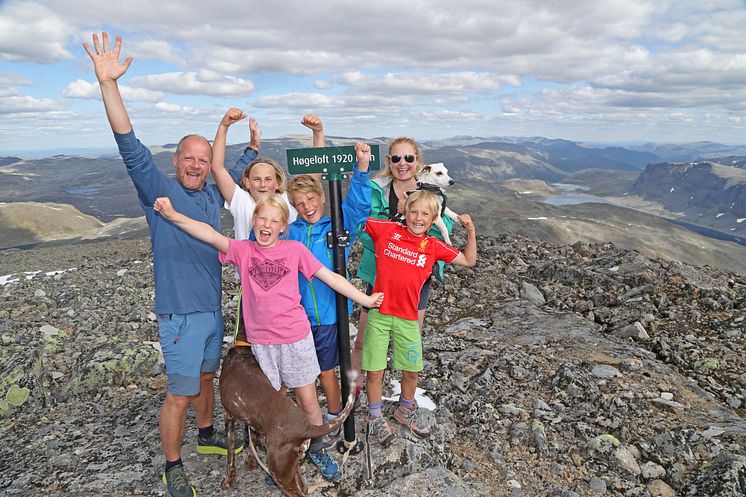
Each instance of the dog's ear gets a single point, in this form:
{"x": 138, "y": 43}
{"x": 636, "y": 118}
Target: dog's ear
{"x": 426, "y": 169}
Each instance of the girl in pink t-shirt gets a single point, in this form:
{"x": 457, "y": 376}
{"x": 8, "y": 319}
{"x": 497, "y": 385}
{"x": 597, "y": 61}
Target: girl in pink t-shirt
{"x": 276, "y": 323}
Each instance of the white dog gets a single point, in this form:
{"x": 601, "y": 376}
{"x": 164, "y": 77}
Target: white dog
{"x": 437, "y": 175}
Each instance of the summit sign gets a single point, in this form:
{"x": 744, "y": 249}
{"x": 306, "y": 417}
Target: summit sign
{"x": 327, "y": 160}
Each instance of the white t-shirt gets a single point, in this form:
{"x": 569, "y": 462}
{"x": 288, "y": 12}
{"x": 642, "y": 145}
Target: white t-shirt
{"x": 242, "y": 208}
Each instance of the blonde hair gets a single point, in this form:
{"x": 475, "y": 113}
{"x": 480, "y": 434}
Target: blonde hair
{"x": 428, "y": 198}
{"x": 279, "y": 172}
{"x": 274, "y": 200}
{"x": 386, "y": 172}
{"x": 304, "y": 183}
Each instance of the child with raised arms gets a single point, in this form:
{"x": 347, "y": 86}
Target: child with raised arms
{"x": 320, "y": 302}
{"x": 276, "y": 324}
{"x": 405, "y": 256}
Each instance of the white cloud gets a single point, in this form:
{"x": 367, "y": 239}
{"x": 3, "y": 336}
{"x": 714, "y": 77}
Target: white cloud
{"x": 196, "y": 83}
{"x": 13, "y": 79}
{"x": 456, "y": 82}
{"x": 14, "y": 103}
{"x": 33, "y": 33}
{"x": 178, "y": 109}
{"x": 90, "y": 90}
{"x": 621, "y": 67}
{"x": 155, "y": 50}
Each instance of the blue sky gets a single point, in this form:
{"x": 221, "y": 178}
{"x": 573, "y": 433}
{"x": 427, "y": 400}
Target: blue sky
{"x": 613, "y": 71}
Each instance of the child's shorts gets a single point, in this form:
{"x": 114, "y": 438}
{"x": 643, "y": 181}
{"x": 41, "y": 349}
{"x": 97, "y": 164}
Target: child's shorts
{"x": 191, "y": 345}
{"x": 405, "y": 334}
{"x": 293, "y": 364}
{"x": 327, "y": 351}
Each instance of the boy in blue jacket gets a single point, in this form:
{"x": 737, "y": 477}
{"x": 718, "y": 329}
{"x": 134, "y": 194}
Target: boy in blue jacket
{"x": 307, "y": 196}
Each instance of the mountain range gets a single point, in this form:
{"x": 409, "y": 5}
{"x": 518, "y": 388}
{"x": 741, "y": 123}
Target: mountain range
{"x": 503, "y": 182}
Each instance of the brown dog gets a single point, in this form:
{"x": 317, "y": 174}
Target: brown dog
{"x": 248, "y": 396}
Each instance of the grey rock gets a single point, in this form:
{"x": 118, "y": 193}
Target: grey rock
{"x": 605, "y": 371}
{"x": 652, "y": 471}
{"x": 659, "y": 488}
{"x": 635, "y": 330}
{"x": 532, "y": 294}
{"x": 597, "y": 486}
{"x": 726, "y": 477}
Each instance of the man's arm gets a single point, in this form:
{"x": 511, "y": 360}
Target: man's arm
{"x": 219, "y": 173}
{"x": 108, "y": 70}
{"x": 199, "y": 230}
{"x": 468, "y": 257}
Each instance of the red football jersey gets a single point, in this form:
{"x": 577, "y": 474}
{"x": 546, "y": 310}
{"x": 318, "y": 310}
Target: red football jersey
{"x": 403, "y": 264}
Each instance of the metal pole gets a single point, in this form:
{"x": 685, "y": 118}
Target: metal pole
{"x": 339, "y": 241}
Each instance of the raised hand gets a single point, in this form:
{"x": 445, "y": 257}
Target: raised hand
{"x": 232, "y": 116}
{"x": 163, "y": 206}
{"x": 255, "y": 134}
{"x": 466, "y": 222}
{"x": 313, "y": 122}
{"x": 362, "y": 154}
{"x": 105, "y": 61}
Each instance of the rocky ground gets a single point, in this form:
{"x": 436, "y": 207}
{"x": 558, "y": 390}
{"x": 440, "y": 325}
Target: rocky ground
{"x": 557, "y": 371}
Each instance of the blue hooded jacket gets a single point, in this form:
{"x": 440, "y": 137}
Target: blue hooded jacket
{"x": 317, "y": 298}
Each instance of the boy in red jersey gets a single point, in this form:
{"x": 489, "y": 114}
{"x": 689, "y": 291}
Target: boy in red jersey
{"x": 404, "y": 260}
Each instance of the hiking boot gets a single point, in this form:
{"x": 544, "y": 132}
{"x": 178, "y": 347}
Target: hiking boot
{"x": 381, "y": 429}
{"x": 332, "y": 438}
{"x": 326, "y": 464}
{"x": 216, "y": 444}
{"x": 412, "y": 420}
{"x": 177, "y": 484}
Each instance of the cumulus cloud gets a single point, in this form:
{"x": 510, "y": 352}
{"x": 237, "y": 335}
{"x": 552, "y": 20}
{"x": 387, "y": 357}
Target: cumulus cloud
{"x": 32, "y": 32}
{"x": 456, "y": 82}
{"x": 12, "y": 103}
{"x": 90, "y": 90}
{"x": 156, "y": 50}
{"x": 13, "y": 79}
{"x": 178, "y": 109}
{"x": 566, "y": 63}
{"x": 196, "y": 83}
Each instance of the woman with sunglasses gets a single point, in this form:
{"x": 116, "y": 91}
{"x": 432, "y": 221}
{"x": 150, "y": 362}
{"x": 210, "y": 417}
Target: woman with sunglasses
{"x": 388, "y": 195}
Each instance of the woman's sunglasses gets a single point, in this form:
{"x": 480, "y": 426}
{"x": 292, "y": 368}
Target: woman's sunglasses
{"x": 396, "y": 158}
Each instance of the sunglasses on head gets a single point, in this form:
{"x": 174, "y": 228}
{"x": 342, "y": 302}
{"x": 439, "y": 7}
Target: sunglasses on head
{"x": 396, "y": 158}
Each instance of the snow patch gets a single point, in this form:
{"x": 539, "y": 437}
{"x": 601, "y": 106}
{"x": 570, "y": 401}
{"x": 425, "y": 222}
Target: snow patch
{"x": 423, "y": 401}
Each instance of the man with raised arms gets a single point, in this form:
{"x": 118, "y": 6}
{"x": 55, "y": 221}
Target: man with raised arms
{"x": 187, "y": 271}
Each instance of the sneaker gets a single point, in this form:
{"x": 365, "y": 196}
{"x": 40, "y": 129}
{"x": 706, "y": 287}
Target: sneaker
{"x": 177, "y": 484}
{"x": 332, "y": 438}
{"x": 381, "y": 429}
{"x": 326, "y": 464}
{"x": 216, "y": 444}
{"x": 411, "y": 419}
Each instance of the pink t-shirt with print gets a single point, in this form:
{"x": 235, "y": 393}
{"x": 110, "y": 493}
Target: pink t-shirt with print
{"x": 272, "y": 310}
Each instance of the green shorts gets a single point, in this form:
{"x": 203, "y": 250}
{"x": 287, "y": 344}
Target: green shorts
{"x": 407, "y": 343}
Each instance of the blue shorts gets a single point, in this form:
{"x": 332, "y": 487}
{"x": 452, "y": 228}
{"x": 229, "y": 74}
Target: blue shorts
{"x": 424, "y": 294}
{"x": 191, "y": 345}
{"x": 325, "y": 339}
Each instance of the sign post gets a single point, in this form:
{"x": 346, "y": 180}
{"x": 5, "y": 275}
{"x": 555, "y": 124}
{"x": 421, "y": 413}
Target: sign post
{"x": 335, "y": 164}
